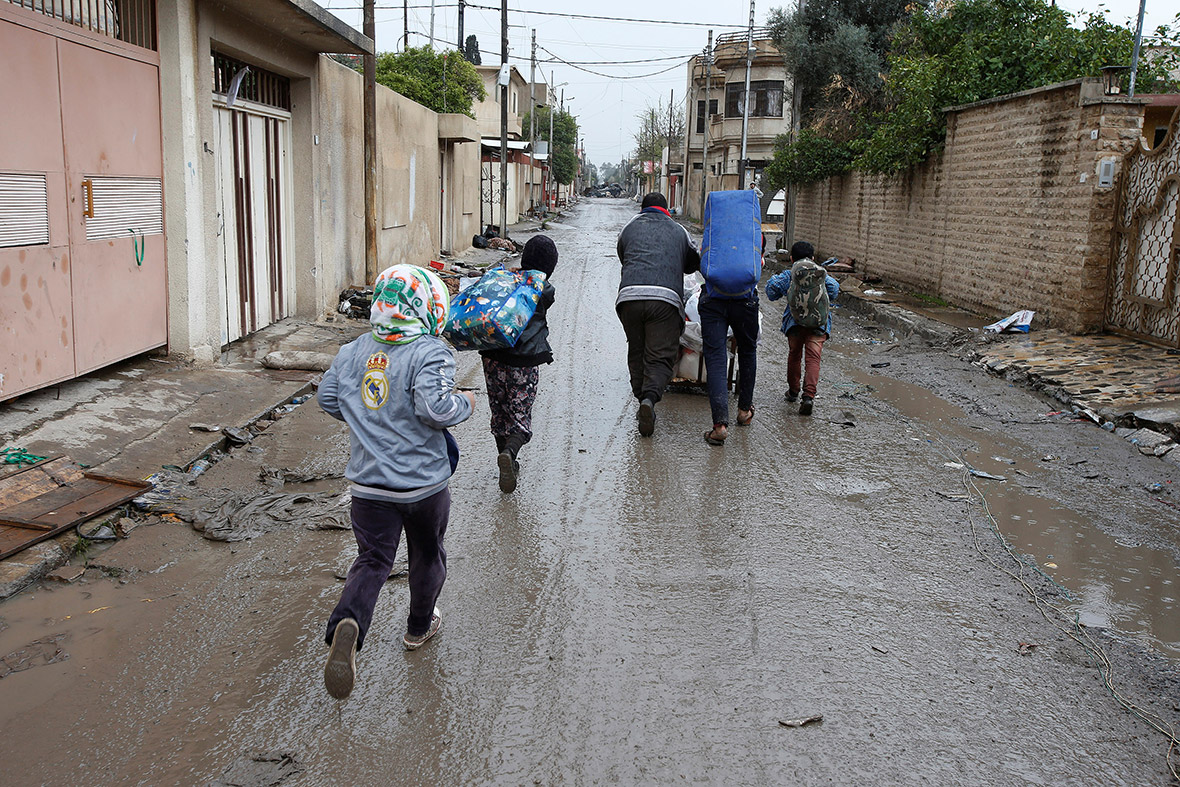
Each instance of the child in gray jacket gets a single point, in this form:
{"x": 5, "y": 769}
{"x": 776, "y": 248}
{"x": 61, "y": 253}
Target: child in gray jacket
{"x": 394, "y": 387}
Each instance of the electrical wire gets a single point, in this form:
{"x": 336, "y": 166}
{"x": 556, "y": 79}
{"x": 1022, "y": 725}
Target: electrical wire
{"x": 613, "y": 76}
{"x": 611, "y": 62}
{"x": 607, "y": 18}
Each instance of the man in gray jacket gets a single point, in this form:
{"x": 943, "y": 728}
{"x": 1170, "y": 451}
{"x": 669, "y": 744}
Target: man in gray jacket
{"x": 656, "y": 253}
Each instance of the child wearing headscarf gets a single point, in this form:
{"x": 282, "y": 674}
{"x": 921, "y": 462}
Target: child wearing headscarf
{"x": 394, "y": 387}
{"x": 512, "y": 373}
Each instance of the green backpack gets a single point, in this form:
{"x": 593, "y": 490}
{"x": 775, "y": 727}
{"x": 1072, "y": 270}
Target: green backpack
{"x": 807, "y": 297}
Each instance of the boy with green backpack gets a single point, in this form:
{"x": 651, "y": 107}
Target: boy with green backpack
{"x": 807, "y": 320}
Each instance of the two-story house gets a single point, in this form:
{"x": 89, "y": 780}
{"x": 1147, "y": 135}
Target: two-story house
{"x": 715, "y": 105}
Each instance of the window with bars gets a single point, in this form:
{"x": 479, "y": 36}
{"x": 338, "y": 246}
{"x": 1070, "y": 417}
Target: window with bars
{"x": 767, "y": 95}
{"x": 255, "y": 84}
{"x": 130, "y": 21}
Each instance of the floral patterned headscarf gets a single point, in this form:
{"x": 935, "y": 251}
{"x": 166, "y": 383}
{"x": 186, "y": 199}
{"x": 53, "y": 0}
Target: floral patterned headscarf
{"x": 408, "y": 302}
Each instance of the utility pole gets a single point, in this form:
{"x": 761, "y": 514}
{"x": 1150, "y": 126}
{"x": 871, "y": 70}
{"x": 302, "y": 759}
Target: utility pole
{"x": 746, "y": 97}
{"x": 792, "y": 190}
{"x": 505, "y": 79}
{"x": 462, "y": 42}
{"x": 667, "y": 174}
{"x": 370, "y": 123}
{"x": 708, "y": 118}
{"x": 552, "y": 81}
{"x": 1135, "y": 52}
{"x": 532, "y": 116}
{"x": 405, "y": 24}
{"x": 431, "y": 25}
{"x": 556, "y": 189}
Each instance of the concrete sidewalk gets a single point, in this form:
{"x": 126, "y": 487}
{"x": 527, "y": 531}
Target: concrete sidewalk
{"x": 1124, "y": 385}
{"x": 134, "y": 418}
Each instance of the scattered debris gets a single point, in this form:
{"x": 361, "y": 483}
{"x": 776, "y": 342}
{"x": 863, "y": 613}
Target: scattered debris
{"x": 1050, "y": 564}
{"x": 802, "y": 721}
{"x": 873, "y": 293}
{"x": 952, "y": 495}
{"x": 1155, "y": 488}
{"x": 298, "y": 359}
{"x": 1050, "y": 458}
{"x": 953, "y": 465}
{"x": 1026, "y": 648}
{"x": 37, "y": 653}
{"x": 1017, "y": 322}
{"x": 504, "y": 244}
{"x": 237, "y": 435}
{"x": 18, "y": 456}
{"x": 258, "y": 769}
{"x": 125, "y": 525}
{"x": 879, "y": 649}
{"x": 1004, "y": 460}
{"x": 983, "y": 474}
{"x": 67, "y": 573}
{"x": 881, "y": 365}
{"x": 205, "y": 427}
{"x": 356, "y": 302}
{"x": 237, "y": 516}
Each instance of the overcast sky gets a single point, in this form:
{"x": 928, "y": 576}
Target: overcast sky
{"x": 606, "y": 103}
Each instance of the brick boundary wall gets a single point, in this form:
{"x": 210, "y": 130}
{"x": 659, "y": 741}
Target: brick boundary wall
{"x": 1009, "y": 216}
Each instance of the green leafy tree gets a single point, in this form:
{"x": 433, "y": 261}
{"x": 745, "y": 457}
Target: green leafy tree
{"x": 946, "y": 54}
{"x": 978, "y": 49}
{"x": 836, "y": 50}
{"x": 563, "y": 156}
{"x": 659, "y": 125}
{"x": 442, "y": 81}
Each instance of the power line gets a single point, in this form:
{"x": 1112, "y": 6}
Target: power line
{"x": 615, "y": 76}
{"x": 607, "y": 18}
{"x": 555, "y": 59}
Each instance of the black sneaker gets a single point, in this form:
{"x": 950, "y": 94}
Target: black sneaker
{"x": 340, "y": 671}
{"x": 792, "y": 396}
{"x": 806, "y": 405}
{"x": 509, "y": 469}
{"x": 647, "y": 417}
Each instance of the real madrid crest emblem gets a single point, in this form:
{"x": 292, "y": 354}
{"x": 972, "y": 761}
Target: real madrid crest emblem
{"x": 375, "y": 386}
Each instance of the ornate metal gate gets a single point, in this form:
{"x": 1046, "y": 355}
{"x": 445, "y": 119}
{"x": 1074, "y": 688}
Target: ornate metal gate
{"x": 1143, "y": 299}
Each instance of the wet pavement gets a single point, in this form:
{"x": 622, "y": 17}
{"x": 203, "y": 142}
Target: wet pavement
{"x": 649, "y": 610}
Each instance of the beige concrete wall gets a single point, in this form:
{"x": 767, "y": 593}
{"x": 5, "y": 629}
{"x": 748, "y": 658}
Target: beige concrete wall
{"x": 1009, "y": 216}
{"x": 409, "y": 185}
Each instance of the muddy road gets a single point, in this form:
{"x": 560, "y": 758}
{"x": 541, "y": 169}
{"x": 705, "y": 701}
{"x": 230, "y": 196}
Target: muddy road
{"x": 648, "y": 611}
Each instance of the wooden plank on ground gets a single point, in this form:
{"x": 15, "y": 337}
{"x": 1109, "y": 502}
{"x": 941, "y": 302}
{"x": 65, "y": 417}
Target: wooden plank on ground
{"x": 103, "y": 497}
{"x": 15, "y": 539}
{"x": 33, "y": 481}
{"x": 59, "y": 504}
{"x": 42, "y": 501}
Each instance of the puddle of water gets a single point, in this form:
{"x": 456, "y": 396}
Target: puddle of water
{"x": 1117, "y": 585}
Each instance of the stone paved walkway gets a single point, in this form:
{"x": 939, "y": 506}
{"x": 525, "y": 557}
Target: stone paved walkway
{"x": 1120, "y": 379}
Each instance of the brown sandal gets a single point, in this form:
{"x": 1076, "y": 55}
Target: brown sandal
{"x": 712, "y": 437}
{"x": 745, "y": 420}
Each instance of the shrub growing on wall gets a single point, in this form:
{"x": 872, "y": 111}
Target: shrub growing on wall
{"x": 809, "y": 158}
{"x": 442, "y": 81}
{"x": 947, "y": 54}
